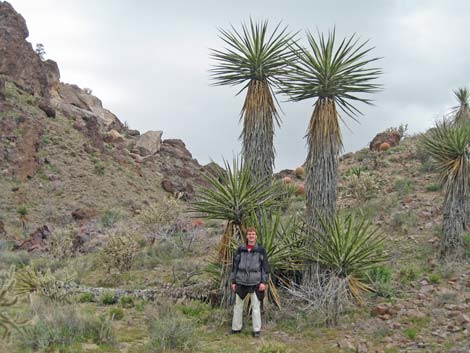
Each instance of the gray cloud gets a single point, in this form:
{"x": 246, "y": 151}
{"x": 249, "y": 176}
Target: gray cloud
{"x": 148, "y": 61}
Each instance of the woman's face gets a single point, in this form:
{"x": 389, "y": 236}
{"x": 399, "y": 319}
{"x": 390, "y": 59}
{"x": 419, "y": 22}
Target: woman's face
{"x": 251, "y": 237}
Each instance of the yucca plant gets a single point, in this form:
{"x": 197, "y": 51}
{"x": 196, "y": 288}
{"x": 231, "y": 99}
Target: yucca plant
{"x": 449, "y": 146}
{"x": 348, "y": 249}
{"x": 336, "y": 76}
{"x": 255, "y": 57}
{"x": 233, "y": 195}
{"x": 462, "y": 111}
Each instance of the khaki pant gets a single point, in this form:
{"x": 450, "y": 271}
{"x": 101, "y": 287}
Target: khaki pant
{"x": 237, "y": 321}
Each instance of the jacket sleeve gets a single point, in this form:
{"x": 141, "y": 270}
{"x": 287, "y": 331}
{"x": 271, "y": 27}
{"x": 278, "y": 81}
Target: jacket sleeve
{"x": 265, "y": 270}
{"x": 236, "y": 261}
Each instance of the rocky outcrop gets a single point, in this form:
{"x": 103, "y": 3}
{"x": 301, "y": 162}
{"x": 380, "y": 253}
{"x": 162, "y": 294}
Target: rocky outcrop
{"x": 36, "y": 241}
{"x": 175, "y": 148}
{"x": 392, "y": 138}
{"x": 18, "y": 60}
{"x": 149, "y": 143}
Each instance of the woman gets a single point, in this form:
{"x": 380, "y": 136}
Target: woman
{"x": 250, "y": 275}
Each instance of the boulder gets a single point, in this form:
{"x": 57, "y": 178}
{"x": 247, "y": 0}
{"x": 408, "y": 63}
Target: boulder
{"x": 47, "y": 108}
{"x": 81, "y": 214}
{"x": 391, "y": 138}
{"x": 149, "y": 143}
{"x": 114, "y": 137}
{"x": 36, "y": 241}
{"x": 175, "y": 148}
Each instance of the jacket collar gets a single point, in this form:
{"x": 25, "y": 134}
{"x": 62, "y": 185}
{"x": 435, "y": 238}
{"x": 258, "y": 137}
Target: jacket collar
{"x": 244, "y": 248}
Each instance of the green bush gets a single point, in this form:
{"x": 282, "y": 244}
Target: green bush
{"x": 86, "y": 298}
{"x": 435, "y": 278}
{"x": 108, "y": 298}
{"x": 18, "y": 259}
{"x": 403, "y": 186}
{"x": 409, "y": 273}
{"x": 273, "y": 348}
{"x": 171, "y": 332}
{"x": 109, "y": 218}
{"x": 380, "y": 280}
{"x": 433, "y": 187}
{"x": 126, "y": 301}
{"x": 411, "y": 333}
{"x": 116, "y": 314}
{"x": 59, "y": 327}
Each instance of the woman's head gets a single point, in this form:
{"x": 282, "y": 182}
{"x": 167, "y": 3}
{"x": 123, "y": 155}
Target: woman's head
{"x": 251, "y": 236}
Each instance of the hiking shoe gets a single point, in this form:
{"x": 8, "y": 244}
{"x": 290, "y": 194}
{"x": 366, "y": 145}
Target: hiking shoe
{"x": 234, "y": 332}
{"x": 257, "y": 334}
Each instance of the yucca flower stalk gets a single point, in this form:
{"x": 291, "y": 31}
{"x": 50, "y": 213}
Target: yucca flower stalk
{"x": 462, "y": 111}
{"x": 255, "y": 58}
{"x": 449, "y": 146}
{"x": 336, "y": 76}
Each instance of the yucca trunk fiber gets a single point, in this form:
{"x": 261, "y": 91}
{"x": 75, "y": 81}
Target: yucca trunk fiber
{"x": 259, "y": 114}
{"x": 324, "y": 146}
{"x": 455, "y": 217}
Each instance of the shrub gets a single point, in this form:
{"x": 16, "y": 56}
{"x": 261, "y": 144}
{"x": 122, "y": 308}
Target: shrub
{"x": 61, "y": 244}
{"x": 363, "y": 186}
{"x": 433, "y": 187}
{"x": 109, "y": 218}
{"x": 86, "y": 298}
{"x": 273, "y": 348}
{"x": 380, "y": 280}
{"x": 409, "y": 273}
{"x": 171, "y": 332}
{"x": 7, "y": 300}
{"x": 60, "y": 327}
{"x": 108, "y": 298}
{"x": 126, "y": 301}
{"x": 411, "y": 333}
{"x": 14, "y": 258}
{"x": 116, "y": 314}
{"x": 403, "y": 221}
{"x": 403, "y": 186}
{"x": 45, "y": 284}
{"x": 434, "y": 278}
{"x": 119, "y": 253}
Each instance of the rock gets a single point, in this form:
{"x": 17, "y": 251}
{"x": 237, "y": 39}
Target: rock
{"x": 183, "y": 191}
{"x": 114, "y": 137}
{"x": 20, "y": 62}
{"x": 391, "y": 138}
{"x": 81, "y": 214}
{"x": 130, "y": 132}
{"x": 345, "y": 344}
{"x": 46, "y": 107}
{"x": 25, "y": 157}
{"x": 36, "y": 241}
{"x": 462, "y": 319}
{"x": 214, "y": 169}
{"x": 175, "y": 148}
{"x": 381, "y": 309}
{"x": 80, "y": 102}
{"x": 149, "y": 143}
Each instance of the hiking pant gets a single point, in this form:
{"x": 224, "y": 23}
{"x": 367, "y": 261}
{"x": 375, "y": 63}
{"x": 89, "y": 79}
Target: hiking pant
{"x": 237, "y": 321}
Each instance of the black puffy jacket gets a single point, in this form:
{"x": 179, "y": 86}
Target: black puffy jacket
{"x": 250, "y": 268}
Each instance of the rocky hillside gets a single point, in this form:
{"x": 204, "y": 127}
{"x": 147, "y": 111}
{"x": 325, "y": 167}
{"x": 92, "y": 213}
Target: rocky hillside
{"x": 63, "y": 155}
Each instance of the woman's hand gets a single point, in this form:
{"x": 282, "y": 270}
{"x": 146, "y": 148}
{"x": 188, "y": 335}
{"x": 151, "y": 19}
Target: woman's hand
{"x": 234, "y": 287}
{"x": 262, "y": 287}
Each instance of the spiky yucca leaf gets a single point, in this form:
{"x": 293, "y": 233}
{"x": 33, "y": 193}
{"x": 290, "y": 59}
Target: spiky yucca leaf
{"x": 349, "y": 249}
{"x": 252, "y": 54}
{"x": 234, "y": 195}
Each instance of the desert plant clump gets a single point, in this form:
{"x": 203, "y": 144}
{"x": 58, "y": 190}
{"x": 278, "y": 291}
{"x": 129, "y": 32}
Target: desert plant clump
{"x": 47, "y": 284}
{"x": 171, "y": 331}
{"x": 363, "y": 186}
{"x": 109, "y": 298}
{"x": 62, "y": 243}
{"x": 119, "y": 253}
{"x": 161, "y": 218}
{"x": 401, "y": 130}
{"x": 116, "y": 314}
{"x": 58, "y": 327}
{"x": 7, "y": 300}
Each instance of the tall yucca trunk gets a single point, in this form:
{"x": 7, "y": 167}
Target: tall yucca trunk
{"x": 324, "y": 146}
{"x": 258, "y": 114}
{"x": 456, "y": 209}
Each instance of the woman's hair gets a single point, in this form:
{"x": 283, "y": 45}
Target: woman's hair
{"x": 250, "y": 229}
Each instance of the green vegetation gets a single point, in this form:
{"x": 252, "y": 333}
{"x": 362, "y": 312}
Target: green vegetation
{"x": 335, "y": 75}
{"x": 255, "y": 58}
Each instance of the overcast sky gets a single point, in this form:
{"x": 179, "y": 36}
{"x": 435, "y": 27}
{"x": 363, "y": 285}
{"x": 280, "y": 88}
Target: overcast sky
{"x": 148, "y": 62}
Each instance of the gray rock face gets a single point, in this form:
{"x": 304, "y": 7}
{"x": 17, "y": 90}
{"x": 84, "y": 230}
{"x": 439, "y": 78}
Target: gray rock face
{"x": 149, "y": 143}
{"x": 18, "y": 60}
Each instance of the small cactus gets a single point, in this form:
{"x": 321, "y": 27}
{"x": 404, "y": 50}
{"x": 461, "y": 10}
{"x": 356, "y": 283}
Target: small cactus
{"x": 300, "y": 189}
{"x": 7, "y": 300}
{"x": 287, "y": 180}
{"x": 300, "y": 172}
{"x": 384, "y": 146}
